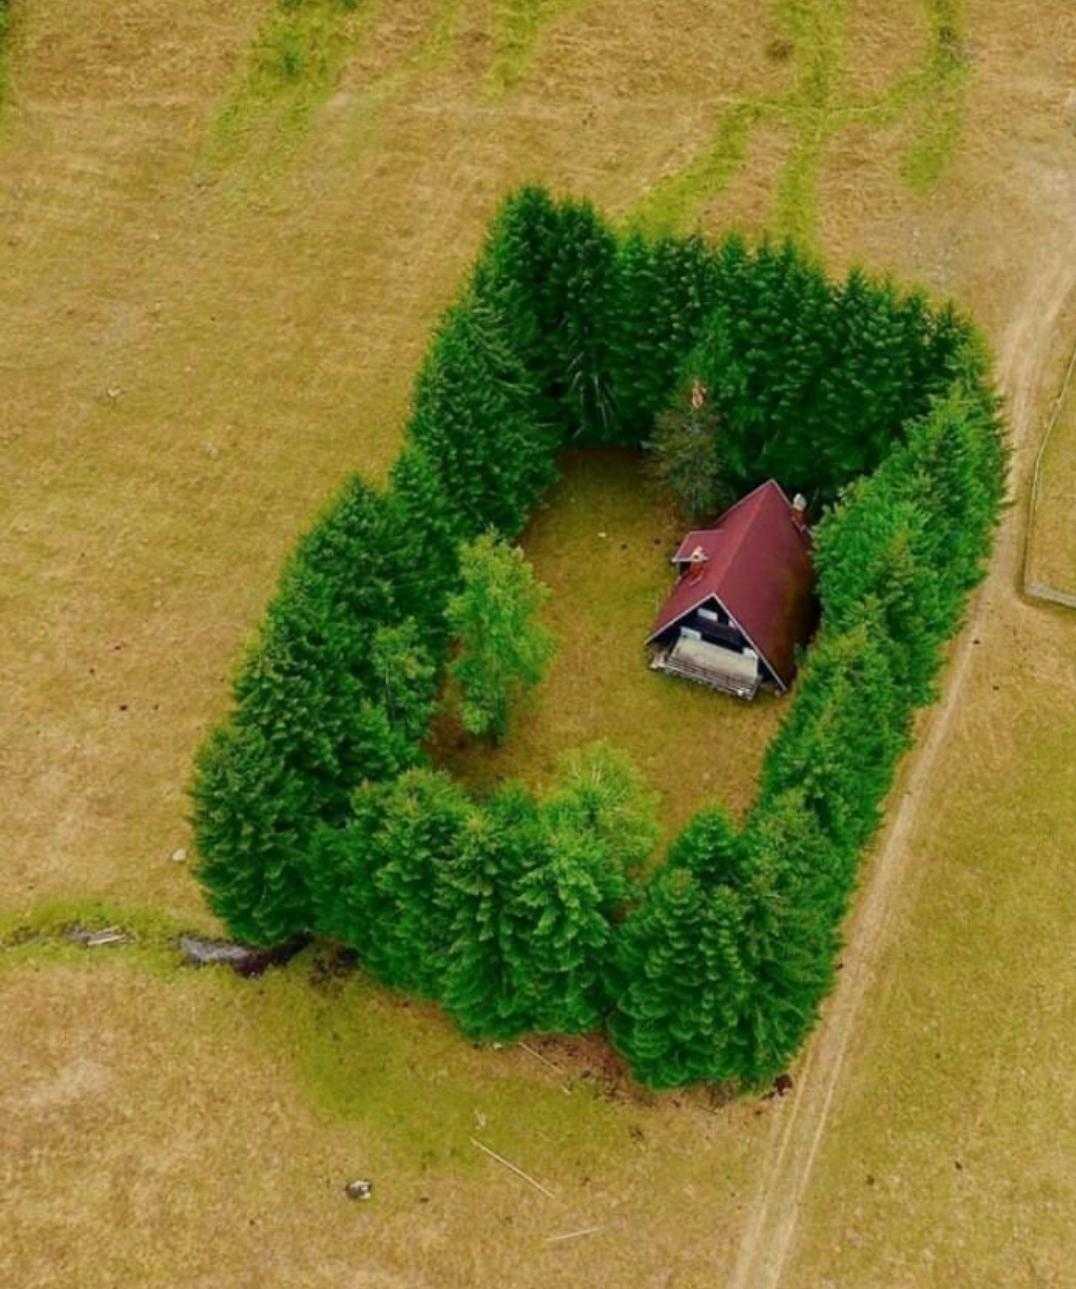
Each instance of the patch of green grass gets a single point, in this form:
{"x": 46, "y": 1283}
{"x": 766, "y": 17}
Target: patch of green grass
{"x": 42, "y": 934}
{"x": 5, "y": 33}
{"x": 517, "y": 26}
{"x": 932, "y": 94}
{"x": 675, "y": 200}
{"x": 439, "y": 43}
{"x": 940, "y": 109}
{"x": 816, "y": 31}
{"x": 293, "y": 65}
{"x": 296, "y": 59}
{"x": 364, "y": 1055}
{"x": 601, "y": 541}
{"x": 352, "y": 1056}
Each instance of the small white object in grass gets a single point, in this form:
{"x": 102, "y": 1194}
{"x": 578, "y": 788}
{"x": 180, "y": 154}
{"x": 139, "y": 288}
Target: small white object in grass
{"x": 359, "y": 1189}
{"x": 179, "y": 856}
{"x": 603, "y": 534}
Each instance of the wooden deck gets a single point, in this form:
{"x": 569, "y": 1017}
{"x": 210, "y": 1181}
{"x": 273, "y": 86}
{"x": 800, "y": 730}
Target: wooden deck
{"x": 707, "y": 664}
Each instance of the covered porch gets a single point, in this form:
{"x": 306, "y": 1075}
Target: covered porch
{"x": 699, "y": 660}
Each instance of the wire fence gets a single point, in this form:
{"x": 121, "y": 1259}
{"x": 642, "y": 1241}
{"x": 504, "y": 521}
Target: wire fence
{"x": 1034, "y": 589}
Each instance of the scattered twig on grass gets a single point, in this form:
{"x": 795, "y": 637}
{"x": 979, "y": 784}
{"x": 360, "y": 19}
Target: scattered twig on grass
{"x": 95, "y": 939}
{"x": 508, "y": 1164}
{"x": 546, "y": 1061}
{"x": 573, "y": 1235}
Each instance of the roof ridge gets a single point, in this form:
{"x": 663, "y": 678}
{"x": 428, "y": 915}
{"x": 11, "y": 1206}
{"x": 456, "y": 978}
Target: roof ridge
{"x": 743, "y": 500}
{"x": 749, "y": 520}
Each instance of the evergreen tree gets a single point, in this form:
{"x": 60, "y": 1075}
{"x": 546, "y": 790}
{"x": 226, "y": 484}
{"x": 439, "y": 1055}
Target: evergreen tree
{"x": 436, "y": 528}
{"x": 761, "y": 359}
{"x": 309, "y": 674}
{"x": 597, "y": 828}
{"x": 393, "y": 721}
{"x": 784, "y": 947}
{"x": 582, "y": 286}
{"x": 840, "y": 742}
{"x": 711, "y": 847}
{"x": 563, "y": 932}
{"x": 427, "y": 821}
{"x": 474, "y": 417}
{"x": 512, "y": 277}
{"x": 380, "y": 884}
{"x": 869, "y": 551}
{"x": 342, "y": 867}
{"x": 686, "y": 457}
{"x": 550, "y": 271}
{"x": 680, "y": 983}
{"x": 602, "y": 796}
{"x": 665, "y": 290}
{"x": 955, "y": 468}
{"x": 487, "y": 987}
{"x": 306, "y": 729}
{"x": 502, "y": 647}
{"x": 252, "y": 813}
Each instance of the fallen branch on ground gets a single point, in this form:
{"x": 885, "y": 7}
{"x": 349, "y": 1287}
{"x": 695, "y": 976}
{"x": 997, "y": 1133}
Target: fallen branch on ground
{"x": 508, "y": 1164}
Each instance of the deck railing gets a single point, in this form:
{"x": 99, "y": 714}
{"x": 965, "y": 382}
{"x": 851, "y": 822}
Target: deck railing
{"x": 727, "y": 684}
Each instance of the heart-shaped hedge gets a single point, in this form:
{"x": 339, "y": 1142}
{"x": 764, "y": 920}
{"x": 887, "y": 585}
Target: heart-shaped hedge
{"x": 517, "y": 914}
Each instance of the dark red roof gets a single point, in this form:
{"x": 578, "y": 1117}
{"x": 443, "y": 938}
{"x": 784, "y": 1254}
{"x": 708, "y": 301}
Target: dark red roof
{"x": 758, "y": 566}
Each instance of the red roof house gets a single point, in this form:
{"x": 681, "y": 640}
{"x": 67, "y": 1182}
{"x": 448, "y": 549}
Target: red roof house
{"x": 743, "y": 601}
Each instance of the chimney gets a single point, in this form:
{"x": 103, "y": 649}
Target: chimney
{"x": 696, "y": 560}
{"x": 799, "y": 511}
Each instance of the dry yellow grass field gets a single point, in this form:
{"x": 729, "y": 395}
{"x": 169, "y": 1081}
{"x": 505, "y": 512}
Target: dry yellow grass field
{"x": 198, "y": 339}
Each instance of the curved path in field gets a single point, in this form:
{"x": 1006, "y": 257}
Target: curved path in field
{"x": 800, "y": 1123}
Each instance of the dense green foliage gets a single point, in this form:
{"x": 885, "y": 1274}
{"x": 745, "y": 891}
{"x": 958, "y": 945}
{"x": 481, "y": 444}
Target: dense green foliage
{"x": 504, "y": 912}
{"x": 378, "y": 884}
{"x": 474, "y": 416}
{"x": 503, "y": 648}
{"x": 316, "y": 712}
{"x": 665, "y": 291}
{"x": 811, "y": 381}
{"x": 313, "y": 809}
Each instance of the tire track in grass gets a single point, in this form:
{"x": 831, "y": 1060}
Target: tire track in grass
{"x": 814, "y": 111}
{"x": 302, "y": 46}
{"x": 291, "y": 69}
{"x": 517, "y": 28}
{"x": 800, "y": 1125}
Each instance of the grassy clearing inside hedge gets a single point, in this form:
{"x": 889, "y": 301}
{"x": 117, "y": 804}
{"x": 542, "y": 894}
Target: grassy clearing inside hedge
{"x": 602, "y": 541}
